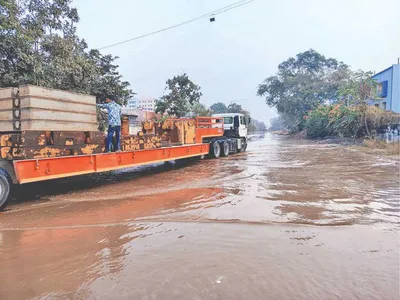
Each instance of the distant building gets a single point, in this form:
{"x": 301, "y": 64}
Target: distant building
{"x": 139, "y": 103}
{"x": 388, "y": 89}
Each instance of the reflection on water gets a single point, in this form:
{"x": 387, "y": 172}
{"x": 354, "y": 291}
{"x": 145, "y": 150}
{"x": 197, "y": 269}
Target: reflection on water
{"x": 211, "y": 229}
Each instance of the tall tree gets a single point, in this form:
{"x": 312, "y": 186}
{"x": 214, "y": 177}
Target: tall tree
{"x": 256, "y": 126}
{"x": 301, "y": 84}
{"x": 234, "y": 108}
{"x": 358, "y": 89}
{"x": 39, "y": 45}
{"x": 237, "y": 108}
{"x": 219, "y": 108}
{"x": 182, "y": 95}
{"x": 199, "y": 109}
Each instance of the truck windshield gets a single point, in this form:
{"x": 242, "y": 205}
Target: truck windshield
{"x": 228, "y": 120}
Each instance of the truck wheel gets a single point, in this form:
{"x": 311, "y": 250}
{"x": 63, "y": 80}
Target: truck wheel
{"x": 225, "y": 149}
{"x": 238, "y": 150}
{"x": 244, "y": 147}
{"x": 4, "y": 190}
{"x": 215, "y": 150}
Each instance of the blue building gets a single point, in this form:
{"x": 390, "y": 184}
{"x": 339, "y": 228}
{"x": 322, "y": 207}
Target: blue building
{"x": 388, "y": 89}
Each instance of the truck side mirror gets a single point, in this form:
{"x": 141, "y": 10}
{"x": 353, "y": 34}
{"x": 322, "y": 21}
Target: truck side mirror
{"x": 249, "y": 121}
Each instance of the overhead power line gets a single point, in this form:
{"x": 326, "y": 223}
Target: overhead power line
{"x": 212, "y": 13}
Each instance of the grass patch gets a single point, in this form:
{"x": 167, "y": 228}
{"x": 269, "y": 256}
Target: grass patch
{"x": 391, "y": 149}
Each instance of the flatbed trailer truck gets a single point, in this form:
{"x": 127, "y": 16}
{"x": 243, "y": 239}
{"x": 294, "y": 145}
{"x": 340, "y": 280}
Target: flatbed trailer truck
{"x": 212, "y": 138}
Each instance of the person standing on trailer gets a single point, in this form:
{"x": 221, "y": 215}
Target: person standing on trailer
{"x": 114, "y": 123}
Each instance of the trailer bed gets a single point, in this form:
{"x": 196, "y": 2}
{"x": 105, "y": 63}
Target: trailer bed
{"x": 33, "y": 170}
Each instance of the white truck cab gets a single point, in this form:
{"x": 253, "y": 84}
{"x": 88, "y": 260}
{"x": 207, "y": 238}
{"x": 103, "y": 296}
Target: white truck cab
{"x": 235, "y": 130}
{"x": 235, "y": 124}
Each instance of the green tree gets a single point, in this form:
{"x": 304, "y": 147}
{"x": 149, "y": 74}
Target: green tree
{"x": 237, "y": 108}
{"x": 182, "y": 95}
{"x": 199, "y": 109}
{"x": 234, "y": 108}
{"x": 256, "y": 126}
{"x": 301, "y": 84}
{"x": 218, "y": 108}
{"x": 358, "y": 89}
{"x": 39, "y": 45}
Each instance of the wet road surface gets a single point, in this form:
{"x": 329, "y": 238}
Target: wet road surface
{"x": 289, "y": 219}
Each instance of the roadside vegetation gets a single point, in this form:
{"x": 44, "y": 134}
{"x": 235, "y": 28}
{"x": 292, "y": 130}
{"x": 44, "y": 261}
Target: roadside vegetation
{"x": 321, "y": 97}
{"x": 350, "y": 122}
{"x": 380, "y": 148}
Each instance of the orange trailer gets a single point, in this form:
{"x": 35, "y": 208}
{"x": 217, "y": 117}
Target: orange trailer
{"x": 208, "y": 131}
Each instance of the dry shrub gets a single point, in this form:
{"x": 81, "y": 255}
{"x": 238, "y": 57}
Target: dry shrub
{"x": 393, "y": 148}
{"x": 390, "y": 148}
{"x": 375, "y": 144}
{"x": 377, "y": 117}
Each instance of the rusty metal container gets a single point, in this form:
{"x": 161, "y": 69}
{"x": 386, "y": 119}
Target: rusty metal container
{"x": 34, "y": 108}
{"x": 177, "y": 131}
{"x": 125, "y": 125}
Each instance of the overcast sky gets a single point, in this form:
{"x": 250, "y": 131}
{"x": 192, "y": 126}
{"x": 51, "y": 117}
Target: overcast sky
{"x": 230, "y": 57}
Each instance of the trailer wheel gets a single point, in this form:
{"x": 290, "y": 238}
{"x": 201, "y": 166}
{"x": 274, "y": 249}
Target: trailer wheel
{"x": 225, "y": 149}
{"x": 4, "y": 190}
{"x": 215, "y": 150}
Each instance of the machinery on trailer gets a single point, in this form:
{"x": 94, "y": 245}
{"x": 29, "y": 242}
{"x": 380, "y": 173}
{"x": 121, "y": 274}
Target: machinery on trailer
{"x": 48, "y": 134}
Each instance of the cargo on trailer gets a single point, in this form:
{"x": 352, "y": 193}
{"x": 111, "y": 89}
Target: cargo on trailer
{"x": 34, "y": 108}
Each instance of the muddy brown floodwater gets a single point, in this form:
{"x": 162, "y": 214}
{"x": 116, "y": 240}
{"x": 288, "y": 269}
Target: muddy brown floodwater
{"x": 288, "y": 219}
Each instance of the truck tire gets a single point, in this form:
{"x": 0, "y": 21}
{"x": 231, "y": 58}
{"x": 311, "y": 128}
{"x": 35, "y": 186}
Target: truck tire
{"x": 4, "y": 189}
{"x": 243, "y": 147}
{"x": 225, "y": 149}
{"x": 215, "y": 150}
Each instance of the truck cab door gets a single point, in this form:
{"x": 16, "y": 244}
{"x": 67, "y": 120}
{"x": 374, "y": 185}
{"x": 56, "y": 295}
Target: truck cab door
{"x": 242, "y": 127}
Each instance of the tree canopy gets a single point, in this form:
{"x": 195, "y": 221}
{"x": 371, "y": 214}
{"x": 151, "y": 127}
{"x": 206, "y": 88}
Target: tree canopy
{"x": 303, "y": 83}
{"x": 234, "y": 108}
{"x": 39, "y": 45}
{"x": 276, "y": 124}
{"x": 256, "y": 126}
{"x": 358, "y": 88}
{"x": 182, "y": 95}
{"x": 218, "y": 108}
{"x": 199, "y": 109}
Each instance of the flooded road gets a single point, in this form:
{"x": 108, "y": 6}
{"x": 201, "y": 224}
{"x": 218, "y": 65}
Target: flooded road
{"x": 289, "y": 219}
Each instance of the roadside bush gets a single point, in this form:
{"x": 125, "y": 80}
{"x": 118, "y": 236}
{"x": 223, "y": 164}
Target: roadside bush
{"x": 344, "y": 121}
{"x": 389, "y": 149}
{"x": 318, "y": 122}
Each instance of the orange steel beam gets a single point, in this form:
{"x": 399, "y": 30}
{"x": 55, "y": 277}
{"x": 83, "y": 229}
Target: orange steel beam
{"x": 59, "y": 167}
